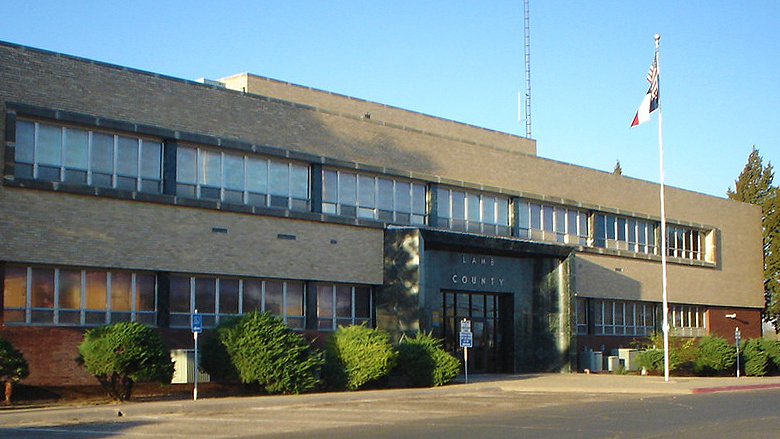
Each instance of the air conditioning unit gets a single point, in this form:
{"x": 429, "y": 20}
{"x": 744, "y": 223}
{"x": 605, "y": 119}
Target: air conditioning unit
{"x": 184, "y": 367}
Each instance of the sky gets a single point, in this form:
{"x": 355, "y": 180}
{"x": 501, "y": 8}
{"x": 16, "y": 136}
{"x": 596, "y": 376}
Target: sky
{"x": 464, "y": 61}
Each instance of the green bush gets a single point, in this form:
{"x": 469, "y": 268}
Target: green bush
{"x": 13, "y": 367}
{"x": 714, "y": 355}
{"x": 123, "y": 353}
{"x": 762, "y": 357}
{"x": 652, "y": 357}
{"x": 424, "y": 363}
{"x": 262, "y": 352}
{"x": 356, "y": 356}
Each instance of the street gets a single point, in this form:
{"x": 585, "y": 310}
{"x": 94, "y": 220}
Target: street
{"x": 451, "y": 412}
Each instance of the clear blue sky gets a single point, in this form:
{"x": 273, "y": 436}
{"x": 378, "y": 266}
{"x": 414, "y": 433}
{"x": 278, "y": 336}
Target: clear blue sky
{"x": 463, "y": 60}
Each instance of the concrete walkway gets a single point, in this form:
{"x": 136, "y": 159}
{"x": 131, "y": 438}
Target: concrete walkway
{"x": 609, "y": 383}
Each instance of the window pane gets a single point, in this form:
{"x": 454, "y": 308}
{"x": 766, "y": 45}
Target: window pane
{"x": 145, "y": 297}
{"x": 234, "y": 171}
{"x": 49, "y": 145}
{"x": 209, "y": 168}
{"x": 488, "y": 210}
{"x": 418, "y": 199}
{"x": 403, "y": 196}
{"x": 76, "y": 148}
{"x": 252, "y": 295}
{"x": 294, "y": 298}
{"x": 121, "y": 290}
{"x": 330, "y": 185}
{"x": 536, "y": 216}
{"x": 560, "y": 220}
{"x": 180, "y": 294}
{"x": 257, "y": 175}
{"x": 366, "y": 191}
{"x": 343, "y": 301}
{"x": 299, "y": 181}
{"x": 443, "y": 203}
{"x": 385, "y": 194}
{"x": 96, "y": 289}
{"x": 473, "y": 207}
{"x": 42, "y": 290}
{"x": 151, "y": 158}
{"x": 347, "y": 188}
{"x": 25, "y": 141}
{"x": 547, "y": 216}
{"x": 102, "y": 159}
{"x": 279, "y": 179}
{"x": 362, "y": 302}
{"x": 273, "y": 297}
{"x": 15, "y": 287}
{"x": 458, "y": 205}
{"x": 70, "y": 289}
{"x": 127, "y": 156}
{"x": 324, "y": 301}
{"x": 205, "y": 295}
{"x": 228, "y": 296}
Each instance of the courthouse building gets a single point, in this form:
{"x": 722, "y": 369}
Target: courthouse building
{"x": 129, "y": 195}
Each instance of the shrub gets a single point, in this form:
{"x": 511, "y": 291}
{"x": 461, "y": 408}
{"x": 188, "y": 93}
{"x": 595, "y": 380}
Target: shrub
{"x": 762, "y": 357}
{"x": 262, "y": 352}
{"x": 424, "y": 363}
{"x": 13, "y": 367}
{"x": 652, "y": 357}
{"x": 123, "y": 353}
{"x": 357, "y": 355}
{"x": 714, "y": 355}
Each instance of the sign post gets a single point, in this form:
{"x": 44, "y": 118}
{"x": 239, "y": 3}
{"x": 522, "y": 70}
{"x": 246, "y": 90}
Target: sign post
{"x": 197, "y": 328}
{"x": 737, "y": 337}
{"x": 466, "y": 341}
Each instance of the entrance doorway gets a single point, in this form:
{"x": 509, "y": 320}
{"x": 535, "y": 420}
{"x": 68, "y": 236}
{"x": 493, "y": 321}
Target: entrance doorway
{"x": 484, "y": 311}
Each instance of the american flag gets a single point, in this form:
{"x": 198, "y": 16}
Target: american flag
{"x": 650, "y": 101}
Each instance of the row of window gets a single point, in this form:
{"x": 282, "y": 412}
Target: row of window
{"x": 56, "y": 153}
{"x": 36, "y": 295}
{"x": 619, "y": 317}
{"x": 64, "y": 296}
{"x": 355, "y": 195}
{"x": 60, "y": 153}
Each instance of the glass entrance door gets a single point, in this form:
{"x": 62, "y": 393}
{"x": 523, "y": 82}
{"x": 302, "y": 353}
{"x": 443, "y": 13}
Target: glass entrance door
{"x": 486, "y": 355}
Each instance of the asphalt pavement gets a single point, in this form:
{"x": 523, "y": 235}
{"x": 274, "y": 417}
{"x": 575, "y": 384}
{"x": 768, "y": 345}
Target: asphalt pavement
{"x": 530, "y": 383}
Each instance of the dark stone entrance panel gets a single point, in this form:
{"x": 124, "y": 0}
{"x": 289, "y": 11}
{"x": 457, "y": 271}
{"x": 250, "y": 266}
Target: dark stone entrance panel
{"x": 530, "y": 282}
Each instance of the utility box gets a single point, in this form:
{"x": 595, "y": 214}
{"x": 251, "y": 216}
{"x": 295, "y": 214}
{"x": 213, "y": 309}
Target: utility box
{"x": 184, "y": 367}
{"x": 612, "y": 363}
{"x": 628, "y": 358}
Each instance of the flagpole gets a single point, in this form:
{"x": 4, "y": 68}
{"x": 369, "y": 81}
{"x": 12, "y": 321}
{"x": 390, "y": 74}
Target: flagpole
{"x": 663, "y": 222}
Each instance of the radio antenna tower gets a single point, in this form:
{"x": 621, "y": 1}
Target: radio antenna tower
{"x": 527, "y": 46}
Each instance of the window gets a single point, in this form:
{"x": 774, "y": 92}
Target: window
{"x": 473, "y": 212}
{"x": 682, "y": 242}
{"x": 340, "y": 304}
{"x": 687, "y": 320}
{"x": 61, "y": 153}
{"x": 621, "y": 233}
{"x": 386, "y": 199}
{"x": 241, "y": 179}
{"x": 617, "y": 317}
{"x": 216, "y": 298}
{"x": 68, "y": 296}
{"x": 552, "y": 223}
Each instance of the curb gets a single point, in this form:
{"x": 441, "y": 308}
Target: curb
{"x": 734, "y": 388}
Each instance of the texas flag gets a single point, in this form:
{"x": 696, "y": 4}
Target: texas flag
{"x": 650, "y": 101}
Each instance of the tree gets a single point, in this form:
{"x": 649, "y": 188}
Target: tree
{"x": 123, "y": 353}
{"x": 754, "y": 186}
{"x": 13, "y": 367}
{"x": 262, "y": 352}
{"x": 618, "y": 169}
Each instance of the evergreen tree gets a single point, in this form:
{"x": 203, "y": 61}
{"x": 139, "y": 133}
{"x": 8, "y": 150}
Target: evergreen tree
{"x": 754, "y": 186}
{"x": 618, "y": 169}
